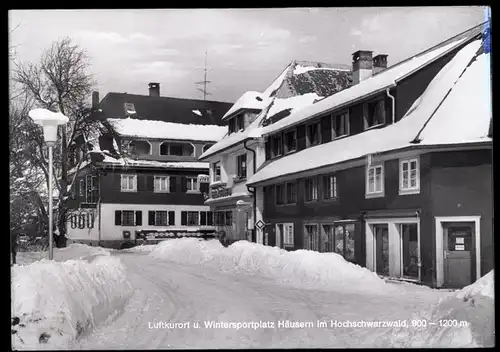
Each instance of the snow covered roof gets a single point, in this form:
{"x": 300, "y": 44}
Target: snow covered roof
{"x": 167, "y": 130}
{"x": 107, "y": 159}
{"x": 250, "y": 100}
{"x": 176, "y": 110}
{"x": 298, "y": 85}
{"x": 455, "y": 100}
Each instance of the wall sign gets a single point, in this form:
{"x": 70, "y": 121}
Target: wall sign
{"x": 459, "y": 240}
{"x": 460, "y": 247}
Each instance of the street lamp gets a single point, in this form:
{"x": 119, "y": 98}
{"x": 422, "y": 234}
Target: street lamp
{"x": 49, "y": 121}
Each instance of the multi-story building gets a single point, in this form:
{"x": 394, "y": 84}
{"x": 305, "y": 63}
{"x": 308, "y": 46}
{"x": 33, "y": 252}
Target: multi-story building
{"x": 142, "y": 177}
{"x": 235, "y": 158}
{"x": 393, "y": 173}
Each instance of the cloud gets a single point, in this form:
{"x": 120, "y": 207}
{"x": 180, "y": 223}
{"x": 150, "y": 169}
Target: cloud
{"x": 275, "y": 33}
{"x": 112, "y": 37}
{"x": 157, "y": 70}
{"x": 356, "y": 32}
{"x": 166, "y": 52}
{"x": 307, "y": 39}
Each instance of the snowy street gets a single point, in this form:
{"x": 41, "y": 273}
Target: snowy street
{"x": 180, "y": 293}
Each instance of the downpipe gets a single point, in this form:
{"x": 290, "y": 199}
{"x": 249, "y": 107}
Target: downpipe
{"x": 387, "y": 91}
{"x": 253, "y": 192}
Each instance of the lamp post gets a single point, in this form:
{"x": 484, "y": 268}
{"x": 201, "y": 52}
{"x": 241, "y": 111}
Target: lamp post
{"x": 49, "y": 121}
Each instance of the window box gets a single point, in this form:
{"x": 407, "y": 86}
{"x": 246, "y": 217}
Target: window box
{"x": 374, "y": 181}
{"x": 409, "y": 176}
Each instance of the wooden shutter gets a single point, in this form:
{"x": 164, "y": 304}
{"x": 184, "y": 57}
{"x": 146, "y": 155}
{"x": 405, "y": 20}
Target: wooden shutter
{"x": 210, "y": 218}
{"x": 268, "y": 149}
{"x": 138, "y": 218}
{"x": 151, "y": 218}
{"x": 203, "y": 217}
{"x": 150, "y": 183}
{"x": 184, "y": 217}
{"x": 141, "y": 183}
{"x": 171, "y": 217}
{"x": 204, "y": 187}
{"x": 118, "y": 217}
{"x": 301, "y": 137}
{"x": 183, "y": 184}
{"x": 173, "y": 184}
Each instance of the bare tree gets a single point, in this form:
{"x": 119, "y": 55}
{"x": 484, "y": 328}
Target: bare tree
{"x": 59, "y": 81}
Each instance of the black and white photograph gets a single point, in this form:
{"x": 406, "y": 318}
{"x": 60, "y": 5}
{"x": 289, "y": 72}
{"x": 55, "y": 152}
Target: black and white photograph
{"x": 251, "y": 178}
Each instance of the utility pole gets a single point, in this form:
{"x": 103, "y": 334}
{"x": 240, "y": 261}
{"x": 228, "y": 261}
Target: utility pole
{"x": 204, "y": 82}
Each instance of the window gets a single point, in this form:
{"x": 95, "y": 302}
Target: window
{"x": 161, "y": 218}
{"x": 328, "y": 240}
{"x": 161, "y": 184}
{"x": 176, "y": 149}
{"x": 240, "y": 122}
{"x": 229, "y": 218}
{"x": 311, "y": 189}
{"x": 139, "y": 147}
{"x": 340, "y": 125}
{"x": 288, "y": 234}
{"x": 291, "y": 192}
{"x": 193, "y": 218}
{"x": 313, "y": 134}
{"x": 311, "y": 237}
{"x": 129, "y": 109}
{"x": 219, "y": 218}
{"x": 128, "y": 218}
{"x": 375, "y": 180}
{"x": 207, "y": 147}
{"x": 192, "y": 184}
{"x": 91, "y": 189}
{"x": 330, "y": 187}
{"x": 242, "y": 166}
{"x": 374, "y": 113}
{"x": 290, "y": 141}
{"x": 409, "y": 176}
{"x": 279, "y": 195}
{"x": 129, "y": 183}
{"x": 277, "y": 146}
{"x": 206, "y": 218}
{"x": 232, "y": 125}
{"x": 216, "y": 171}
{"x": 344, "y": 240}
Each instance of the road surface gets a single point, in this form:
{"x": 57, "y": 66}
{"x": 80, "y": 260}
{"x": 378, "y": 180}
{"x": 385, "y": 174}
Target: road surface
{"x": 170, "y": 298}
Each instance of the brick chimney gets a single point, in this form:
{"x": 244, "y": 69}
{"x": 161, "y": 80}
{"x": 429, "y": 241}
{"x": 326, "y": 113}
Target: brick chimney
{"x": 379, "y": 63}
{"x": 362, "y": 66}
{"x": 95, "y": 99}
{"x": 154, "y": 89}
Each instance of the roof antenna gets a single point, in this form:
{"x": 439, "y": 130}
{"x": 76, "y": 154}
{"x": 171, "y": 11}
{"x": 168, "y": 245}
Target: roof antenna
{"x": 204, "y": 82}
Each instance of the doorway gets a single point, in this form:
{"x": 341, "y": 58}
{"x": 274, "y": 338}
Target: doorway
{"x": 458, "y": 255}
{"x": 409, "y": 250}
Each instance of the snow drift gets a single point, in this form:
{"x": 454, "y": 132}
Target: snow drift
{"x": 73, "y": 251}
{"x": 55, "y": 302}
{"x": 473, "y": 304}
{"x": 302, "y": 268}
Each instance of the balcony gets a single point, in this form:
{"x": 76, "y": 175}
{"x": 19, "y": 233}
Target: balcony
{"x": 220, "y": 192}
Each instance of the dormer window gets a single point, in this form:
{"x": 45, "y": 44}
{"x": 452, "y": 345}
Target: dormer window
{"x": 236, "y": 123}
{"x": 340, "y": 125}
{"x": 129, "y": 109}
{"x": 313, "y": 134}
{"x": 374, "y": 113}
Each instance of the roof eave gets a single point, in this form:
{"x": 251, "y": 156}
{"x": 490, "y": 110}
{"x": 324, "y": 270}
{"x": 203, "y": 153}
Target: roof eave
{"x": 205, "y": 157}
{"x": 234, "y": 113}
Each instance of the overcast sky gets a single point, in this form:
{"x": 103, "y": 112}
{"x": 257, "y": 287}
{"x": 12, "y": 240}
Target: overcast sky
{"x": 247, "y": 48}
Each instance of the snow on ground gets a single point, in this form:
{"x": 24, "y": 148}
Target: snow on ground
{"x": 302, "y": 268}
{"x": 168, "y": 130}
{"x": 73, "y": 251}
{"x": 53, "y": 302}
{"x": 141, "y": 248}
{"x": 462, "y": 319}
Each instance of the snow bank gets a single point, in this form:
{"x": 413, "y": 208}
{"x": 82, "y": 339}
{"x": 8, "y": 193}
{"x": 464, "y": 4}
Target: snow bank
{"x": 300, "y": 268}
{"x": 141, "y": 248}
{"x": 55, "y": 302}
{"x": 473, "y": 305}
{"x": 73, "y": 251}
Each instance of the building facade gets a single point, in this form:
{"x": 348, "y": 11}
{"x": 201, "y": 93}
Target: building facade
{"x": 139, "y": 177}
{"x": 393, "y": 173}
{"x": 234, "y": 159}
